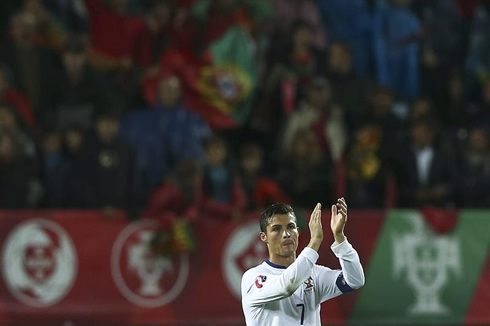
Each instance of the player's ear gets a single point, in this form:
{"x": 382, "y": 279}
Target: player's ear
{"x": 263, "y": 237}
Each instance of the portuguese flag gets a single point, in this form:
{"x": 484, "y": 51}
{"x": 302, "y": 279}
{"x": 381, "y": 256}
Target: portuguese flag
{"x": 426, "y": 267}
{"x": 218, "y": 84}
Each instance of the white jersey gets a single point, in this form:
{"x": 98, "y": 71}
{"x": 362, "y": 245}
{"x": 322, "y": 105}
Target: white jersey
{"x": 274, "y": 295}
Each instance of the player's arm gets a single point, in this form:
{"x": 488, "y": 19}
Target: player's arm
{"x": 260, "y": 289}
{"x": 332, "y": 283}
{"x": 352, "y": 272}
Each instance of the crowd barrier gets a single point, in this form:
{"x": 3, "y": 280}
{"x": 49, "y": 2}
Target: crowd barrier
{"x": 80, "y": 268}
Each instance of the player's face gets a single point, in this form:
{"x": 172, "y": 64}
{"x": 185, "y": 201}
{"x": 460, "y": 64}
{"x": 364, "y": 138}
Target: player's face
{"x": 282, "y": 235}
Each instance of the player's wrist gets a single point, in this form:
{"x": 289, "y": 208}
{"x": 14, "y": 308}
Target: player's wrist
{"x": 339, "y": 237}
{"x": 315, "y": 243}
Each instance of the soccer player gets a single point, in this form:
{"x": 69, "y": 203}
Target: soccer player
{"x": 288, "y": 290}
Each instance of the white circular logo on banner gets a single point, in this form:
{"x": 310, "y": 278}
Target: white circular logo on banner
{"x": 39, "y": 262}
{"x": 243, "y": 250}
{"x": 145, "y": 279}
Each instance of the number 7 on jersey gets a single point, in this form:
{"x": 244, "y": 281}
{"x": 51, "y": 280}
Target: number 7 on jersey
{"x": 302, "y": 312}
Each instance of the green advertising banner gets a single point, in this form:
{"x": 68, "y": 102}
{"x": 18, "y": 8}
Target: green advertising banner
{"x": 418, "y": 276}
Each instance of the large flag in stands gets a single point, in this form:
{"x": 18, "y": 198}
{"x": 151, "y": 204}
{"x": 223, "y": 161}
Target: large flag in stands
{"x": 219, "y": 83}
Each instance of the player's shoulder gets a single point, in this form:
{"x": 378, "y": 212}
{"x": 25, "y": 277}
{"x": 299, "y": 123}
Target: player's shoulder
{"x": 254, "y": 271}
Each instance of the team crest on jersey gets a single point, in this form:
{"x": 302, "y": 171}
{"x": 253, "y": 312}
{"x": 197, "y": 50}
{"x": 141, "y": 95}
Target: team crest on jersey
{"x": 309, "y": 285}
{"x": 260, "y": 280}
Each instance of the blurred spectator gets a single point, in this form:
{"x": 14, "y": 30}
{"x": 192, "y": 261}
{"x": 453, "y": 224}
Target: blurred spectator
{"x": 261, "y": 191}
{"x": 72, "y": 14}
{"x": 180, "y": 194}
{"x": 442, "y": 24}
{"x": 286, "y": 12}
{"x": 185, "y": 131}
{"x": 351, "y": 22}
{"x": 476, "y": 27}
{"x": 157, "y": 34}
{"x": 106, "y": 170}
{"x": 349, "y": 90}
{"x": 73, "y": 140}
{"x": 224, "y": 195}
{"x": 396, "y": 34}
{"x": 474, "y": 171}
{"x": 298, "y": 59}
{"x": 426, "y": 175}
{"x": 31, "y": 63}
{"x": 422, "y": 109}
{"x": 16, "y": 99}
{"x": 114, "y": 34}
{"x": 9, "y": 122}
{"x": 366, "y": 171}
{"x": 303, "y": 174}
{"x": 291, "y": 66}
{"x": 55, "y": 172}
{"x": 479, "y": 112}
{"x": 14, "y": 172}
{"x": 164, "y": 134}
{"x": 29, "y": 160}
{"x": 319, "y": 115}
{"x": 7, "y": 9}
{"x": 441, "y": 48}
{"x": 450, "y": 101}
{"x": 49, "y": 31}
{"x": 381, "y": 114}
{"x": 76, "y": 94}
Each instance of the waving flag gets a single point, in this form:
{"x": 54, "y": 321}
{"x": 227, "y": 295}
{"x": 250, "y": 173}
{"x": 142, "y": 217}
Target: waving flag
{"x": 220, "y": 83}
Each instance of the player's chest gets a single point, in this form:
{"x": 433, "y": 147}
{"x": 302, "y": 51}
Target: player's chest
{"x": 306, "y": 292}
{"x": 301, "y": 307}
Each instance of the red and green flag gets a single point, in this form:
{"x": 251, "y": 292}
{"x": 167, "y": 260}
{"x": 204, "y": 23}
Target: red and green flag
{"x": 218, "y": 84}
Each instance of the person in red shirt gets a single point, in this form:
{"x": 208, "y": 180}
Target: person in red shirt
{"x": 192, "y": 192}
{"x": 15, "y": 98}
{"x": 114, "y": 34}
{"x": 179, "y": 196}
{"x": 261, "y": 191}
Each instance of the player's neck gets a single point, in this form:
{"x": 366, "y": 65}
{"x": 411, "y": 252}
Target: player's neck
{"x": 281, "y": 260}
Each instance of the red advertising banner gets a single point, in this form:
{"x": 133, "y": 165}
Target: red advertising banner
{"x": 78, "y": 267}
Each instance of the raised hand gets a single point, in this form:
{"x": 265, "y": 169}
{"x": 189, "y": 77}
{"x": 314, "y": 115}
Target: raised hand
{"x": 338, "y": 220}
{"x": 316, "y": 230}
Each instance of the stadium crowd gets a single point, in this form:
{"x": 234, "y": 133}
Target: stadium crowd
{"x": 384, "y": 102}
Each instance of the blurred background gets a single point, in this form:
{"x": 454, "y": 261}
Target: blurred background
{"x": 139, "y": 140}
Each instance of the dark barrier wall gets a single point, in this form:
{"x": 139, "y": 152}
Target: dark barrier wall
{"x": 61, "y": 266}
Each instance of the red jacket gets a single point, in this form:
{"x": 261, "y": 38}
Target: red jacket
{"x": 167, "y": 203}
{"x": 113, "y": 36}
{"x": 21, "y": 105}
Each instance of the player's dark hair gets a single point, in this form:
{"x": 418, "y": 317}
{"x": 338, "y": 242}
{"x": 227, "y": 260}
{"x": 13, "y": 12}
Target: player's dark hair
{"x": 270, "y": 211}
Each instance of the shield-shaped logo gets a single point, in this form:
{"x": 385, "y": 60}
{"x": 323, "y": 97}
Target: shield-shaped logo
{"x": 427, "y": 259}
{"x": 144, "y": 278}
{"x": 39, "y": 263}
